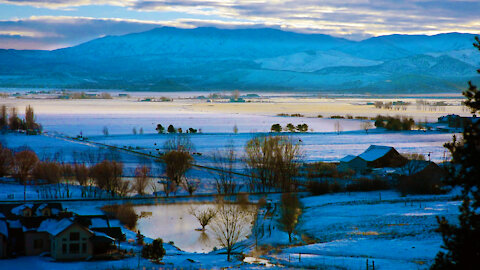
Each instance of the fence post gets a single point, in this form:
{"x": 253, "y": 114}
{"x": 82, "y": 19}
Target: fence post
{"x": 367, "y": 264}
{"x": 373, "y": 265}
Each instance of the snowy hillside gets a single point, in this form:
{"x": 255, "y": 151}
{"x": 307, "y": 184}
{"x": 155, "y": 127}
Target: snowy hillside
{"x": 172, "y": 59}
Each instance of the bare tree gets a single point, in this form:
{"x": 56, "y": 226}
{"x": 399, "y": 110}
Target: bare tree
{"x": 366, "y": 125}
{"x": 14, "y": 123}
{"x": 105, "y": 131}
{"x": 3, "y": 117}
{"x": 190, "y": 184}
{"x": 225, "y": 161}
{"x": 107, "y": 175}
{"x": 177, "y": 158}
{"x": 273, "y": 161}
{"x": 24, "y": 163}
{"x": 290, "y": 211}
{"x": 80, "y": 172}
{"x": 6, "y": 161}
{"x": 338, "y": 127}
{"x": 230, "y": 225}
{"x": 142, "y": 178}
{"x": 203, "y": 216}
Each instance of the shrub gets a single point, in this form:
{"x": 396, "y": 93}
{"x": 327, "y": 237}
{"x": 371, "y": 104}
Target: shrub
{"x": 318, "y": 188}
{"x": 337, "y": 117}
{"x": 154, "y": 251}
{"x": 24, "y": 163}
{"x": 123, "y": 212}
{"x": 323, "y": 187}
{"x": 416, "y": 185}
{"x": 365, "y": 184}
{"x": 322, "y": 169}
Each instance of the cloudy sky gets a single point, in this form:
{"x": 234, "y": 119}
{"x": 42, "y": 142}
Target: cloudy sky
{"x": 43, "y": 24}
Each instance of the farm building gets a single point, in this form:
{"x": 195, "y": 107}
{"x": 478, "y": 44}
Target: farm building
{"x": 379, "y": 156}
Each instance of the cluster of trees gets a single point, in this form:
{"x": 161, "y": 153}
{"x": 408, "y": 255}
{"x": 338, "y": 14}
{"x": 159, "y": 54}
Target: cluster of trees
{"x": 172, "y": 130}
{"x": 397, "y": 105}
{"x": 273, "y": 162}
{"x": 53, "y": 179}
{"x": 177, "y": 158}
{"x": 394, "y": 123}
{"x": 289, "y": 128}
{"x": 11, "y": 121}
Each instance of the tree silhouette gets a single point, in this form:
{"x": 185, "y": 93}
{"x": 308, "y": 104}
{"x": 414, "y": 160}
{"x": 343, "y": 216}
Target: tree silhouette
{"x": 461, "y": 242}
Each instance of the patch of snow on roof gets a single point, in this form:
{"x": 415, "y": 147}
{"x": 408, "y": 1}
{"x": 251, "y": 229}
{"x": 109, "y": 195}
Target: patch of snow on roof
{"x": 347, "y": 158}
{"x": 99, "y": 223}
{"x": 375, "y": 152}
{"x": 53, "y": 226}
{"x": 100, "y": 234}
{"x": 18, "y": 210}
{"x": 3, "y": 228}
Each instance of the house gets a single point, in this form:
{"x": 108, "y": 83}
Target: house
{"x": 456, "y": 121}
{"x": 421, "y": 169}
{"x": 352, "y": 162}
{"x": 68, "y": 239}
{"x": 379, "y": 156}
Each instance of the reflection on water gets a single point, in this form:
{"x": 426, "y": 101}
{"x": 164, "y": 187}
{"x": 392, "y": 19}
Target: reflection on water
{"x": 173, "y": 222}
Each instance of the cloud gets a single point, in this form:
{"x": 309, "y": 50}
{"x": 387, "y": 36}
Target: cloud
{"x": 356, "y": 19}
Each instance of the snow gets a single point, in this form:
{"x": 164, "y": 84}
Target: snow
{"x": 375, "y": 152}
{"x": 103, "y": 235}
{"x": 53, "y": 226}
{"x": 98, "y": 223}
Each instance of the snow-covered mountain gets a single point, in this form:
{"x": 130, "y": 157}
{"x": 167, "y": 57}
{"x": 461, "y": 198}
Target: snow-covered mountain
{"x": 173, "y": 59}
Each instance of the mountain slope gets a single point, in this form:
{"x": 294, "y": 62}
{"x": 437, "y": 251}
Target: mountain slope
{"x": 172, "y": 59}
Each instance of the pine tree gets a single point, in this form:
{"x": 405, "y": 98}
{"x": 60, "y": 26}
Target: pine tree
{"x": 461, "y": 243}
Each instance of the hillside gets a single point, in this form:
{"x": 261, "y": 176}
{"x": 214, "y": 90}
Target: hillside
{"x": 172, "y": 59}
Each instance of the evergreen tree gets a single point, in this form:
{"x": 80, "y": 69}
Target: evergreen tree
{"x": 461, "y": 242}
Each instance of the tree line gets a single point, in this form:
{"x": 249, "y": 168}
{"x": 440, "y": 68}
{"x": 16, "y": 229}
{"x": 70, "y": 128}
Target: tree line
{"x": 9, "y": 120}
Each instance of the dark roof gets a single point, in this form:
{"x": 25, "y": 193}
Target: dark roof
{"x": 6, "y": 209}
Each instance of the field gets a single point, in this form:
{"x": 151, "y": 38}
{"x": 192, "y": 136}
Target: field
{"x": 337, "y": 231}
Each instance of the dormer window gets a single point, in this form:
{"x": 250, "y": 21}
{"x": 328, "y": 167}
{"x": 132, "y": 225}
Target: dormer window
{"x": 27, "y": 212}
{"x": 46, "y": 212}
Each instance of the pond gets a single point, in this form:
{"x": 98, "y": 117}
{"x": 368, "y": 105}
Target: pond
{"x": 174, "y": 222}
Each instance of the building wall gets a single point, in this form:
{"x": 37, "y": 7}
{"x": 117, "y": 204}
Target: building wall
{"x": 3, "y": 246}
{"x": 36, "y": 243}
{"x": 63, "y": 247}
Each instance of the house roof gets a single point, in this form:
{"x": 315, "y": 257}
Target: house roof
{"x": 347, "y": 158}
{"x": 54, "y": 227}
{"x": 18, "y": 210}
{"x": 375, "y": 152}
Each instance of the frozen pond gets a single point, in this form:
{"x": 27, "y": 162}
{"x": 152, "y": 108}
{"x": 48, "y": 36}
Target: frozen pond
{"x": 173, "y": 222}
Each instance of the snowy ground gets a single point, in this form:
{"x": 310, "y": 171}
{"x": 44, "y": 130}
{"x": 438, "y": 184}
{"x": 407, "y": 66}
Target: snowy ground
{"x": 394, "y": 232}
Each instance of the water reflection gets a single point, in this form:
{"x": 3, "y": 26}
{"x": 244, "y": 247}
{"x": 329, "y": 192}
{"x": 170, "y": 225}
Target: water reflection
{"x": 174, "y": 222}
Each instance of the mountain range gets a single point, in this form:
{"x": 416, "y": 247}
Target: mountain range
{"x": 205, "y": 58}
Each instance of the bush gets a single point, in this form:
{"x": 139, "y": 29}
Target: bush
{"x": 318, "y": 188}
{"x": 322, "y": 169}
{"x": 365, "y": 184}
{"x": 323, "y": 187}
{"x": 154, "y": 251}
{"x": 416, "y": 185}
{"x": 123, "y": 212}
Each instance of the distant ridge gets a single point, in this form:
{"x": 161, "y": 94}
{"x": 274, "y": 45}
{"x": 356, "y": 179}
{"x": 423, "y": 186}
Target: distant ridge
{"x": 207, "y": 58}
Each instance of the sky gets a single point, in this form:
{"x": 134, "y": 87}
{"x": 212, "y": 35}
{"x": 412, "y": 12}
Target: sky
{"x": 47, "y": 25}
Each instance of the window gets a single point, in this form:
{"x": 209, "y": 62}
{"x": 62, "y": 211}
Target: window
{"x": 74, "y": 236}
{"x": 74, "y": 248}
{"x": 38, "y": 243}
{"x": 64, "y": 248}
{"x": 84, "y": 248}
